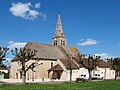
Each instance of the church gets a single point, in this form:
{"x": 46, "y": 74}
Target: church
{"x": 53, "y": 60}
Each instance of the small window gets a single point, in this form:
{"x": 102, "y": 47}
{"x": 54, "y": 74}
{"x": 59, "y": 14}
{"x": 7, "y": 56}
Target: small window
{"x": 55, "y": 42}
{"x": 51, "y": 64}
{"x": 61, "y": 42}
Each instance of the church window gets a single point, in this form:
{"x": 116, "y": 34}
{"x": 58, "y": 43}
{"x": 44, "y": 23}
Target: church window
{"x": 51, "y": 64}
{"x": 63, "y": 42}
{"x": 55, "y": 42}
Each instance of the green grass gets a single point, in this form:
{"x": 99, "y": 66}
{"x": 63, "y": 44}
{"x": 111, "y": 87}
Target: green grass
{"x": 100, "y": 85}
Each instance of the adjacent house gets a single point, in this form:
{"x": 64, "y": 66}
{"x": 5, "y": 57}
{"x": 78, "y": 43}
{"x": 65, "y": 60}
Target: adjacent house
{"x": 106, "y": 69}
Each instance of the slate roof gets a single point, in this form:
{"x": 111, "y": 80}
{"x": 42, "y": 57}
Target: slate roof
{"x": 51, "y": 52}
{"x": 67, "y": 63}
{"x": 103, "y": 64}
{"x": 56, "y": 68}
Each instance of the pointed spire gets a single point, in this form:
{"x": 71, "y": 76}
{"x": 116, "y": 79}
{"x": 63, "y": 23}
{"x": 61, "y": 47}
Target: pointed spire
{"x": 59, "y": 38}
{"x": 59, "y": 30}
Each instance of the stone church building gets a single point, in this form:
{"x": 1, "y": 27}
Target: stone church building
{"x": 53, "y": 60}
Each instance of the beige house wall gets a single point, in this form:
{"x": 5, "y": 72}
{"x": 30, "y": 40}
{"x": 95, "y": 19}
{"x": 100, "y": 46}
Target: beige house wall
{"x": 108, "y": 73}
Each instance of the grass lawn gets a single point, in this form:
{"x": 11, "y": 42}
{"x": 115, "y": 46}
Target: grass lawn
{"x": 100, "y": 85}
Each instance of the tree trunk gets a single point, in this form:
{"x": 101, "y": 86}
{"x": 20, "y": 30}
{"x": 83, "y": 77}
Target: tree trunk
{"x": 70, "y": 75}
{"x": 23, "y": 72}
{"x": 115, "y": 75}
{"x": 90, "y": 75}
{"x": 105, "y": 74}
{"x": 116, "y": 72}
{"x": 23, "y": 77}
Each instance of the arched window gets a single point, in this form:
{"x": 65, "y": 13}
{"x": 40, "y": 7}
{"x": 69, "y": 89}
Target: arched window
{"x": 63, "y": 42}
{"x": 55, "y": 42}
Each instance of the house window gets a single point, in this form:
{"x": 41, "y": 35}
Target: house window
{"x": 51, "y": 64}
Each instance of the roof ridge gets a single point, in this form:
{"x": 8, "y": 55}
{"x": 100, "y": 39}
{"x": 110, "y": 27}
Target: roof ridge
{"x": 47, "y": 44}
{"x": 39, "y": 43}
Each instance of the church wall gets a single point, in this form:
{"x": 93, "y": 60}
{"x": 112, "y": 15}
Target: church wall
{"x": 14, "y": 73}
{"x": 40, "y": 70}
{"x": 65, "y": 73}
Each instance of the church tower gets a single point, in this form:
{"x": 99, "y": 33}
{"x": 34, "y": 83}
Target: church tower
{"x": 59, "y": 37}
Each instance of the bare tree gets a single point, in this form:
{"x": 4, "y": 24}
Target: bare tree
{"x": 3, "y": 53}
{"x": 90, "y": 62}
{"x": 23, "y": 56}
